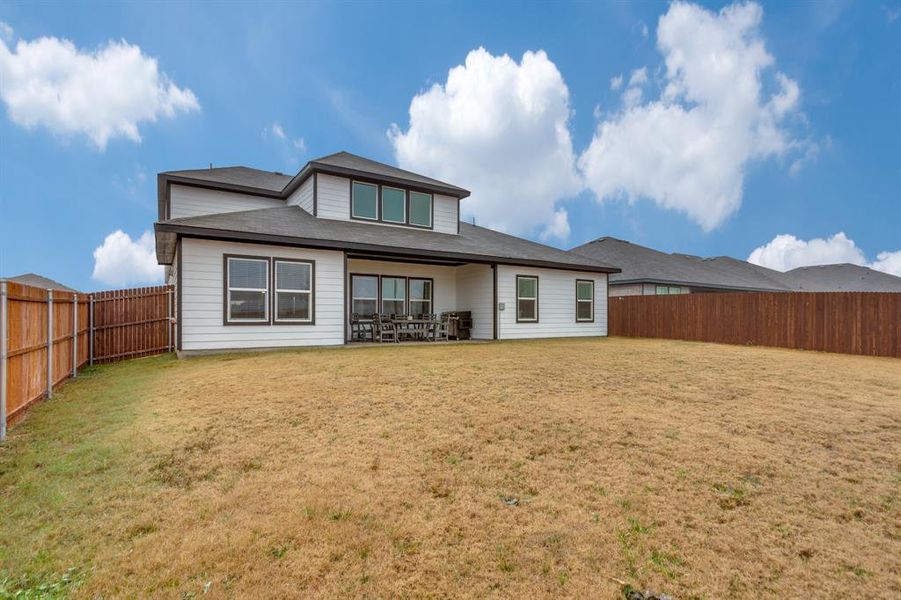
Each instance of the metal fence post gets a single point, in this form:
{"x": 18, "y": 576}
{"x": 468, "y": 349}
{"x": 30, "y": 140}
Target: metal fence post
{"x": 91, "y": 331}
{"x": 74, "y": 335}
{"x": 4, "y": 318}
{"x": 49, "y": 343}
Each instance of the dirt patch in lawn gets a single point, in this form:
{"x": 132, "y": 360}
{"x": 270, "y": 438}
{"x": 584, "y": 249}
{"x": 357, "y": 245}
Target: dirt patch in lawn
{"x": 527, "y": 468}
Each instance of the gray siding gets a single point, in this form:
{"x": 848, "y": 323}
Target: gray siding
{"x": 446, "y": 213}
{"x": 188, "y": 201}
{"x": 202, "y": 299}
{"x": 556, "y": 304}
{"x": 334, "y": 203}
{"x": 303, "y": 196}
{"x": 475, "y": 293}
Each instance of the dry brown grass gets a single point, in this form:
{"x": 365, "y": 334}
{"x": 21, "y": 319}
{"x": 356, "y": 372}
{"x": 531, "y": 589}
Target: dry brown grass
{"x": 693, "y": 469}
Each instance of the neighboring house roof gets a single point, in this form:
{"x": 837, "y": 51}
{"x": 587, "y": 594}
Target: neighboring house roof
{"x": 291, "y": 225}
{"x": 640, "y": 264}
{"x": 40, "y": 281}
{"x": 842, "y": 278}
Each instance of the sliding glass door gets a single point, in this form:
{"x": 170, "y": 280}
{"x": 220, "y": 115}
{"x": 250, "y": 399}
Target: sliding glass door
{"x": 364, "y": 294}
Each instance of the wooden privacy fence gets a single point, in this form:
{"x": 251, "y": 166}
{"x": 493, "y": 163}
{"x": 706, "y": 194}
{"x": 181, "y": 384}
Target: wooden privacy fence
{"x": 848, "y": 322}
{"x": 47, "y": 335}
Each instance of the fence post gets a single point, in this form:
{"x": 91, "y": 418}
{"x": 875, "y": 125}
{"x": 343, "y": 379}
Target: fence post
{"x": 169, "y": 318}
{"x": 4, "y": 317}
{"x": 75, "y": 335}
{"x": 91, "y": 331}
{"x": 49, "y": 343}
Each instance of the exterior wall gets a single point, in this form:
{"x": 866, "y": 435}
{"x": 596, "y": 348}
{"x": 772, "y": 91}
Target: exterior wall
{"x": 189, "y": 201}
{"x": 475, "y": 293}
{"x": 203, "y": 301}
{"x": 446, "y": 213}
{"x": 444, "y": 284}
{"x": 627, "y": 289}
{"x": 333, "y": 202}
{"x": 303, "y": 196}
{"x": 556, "y": 304}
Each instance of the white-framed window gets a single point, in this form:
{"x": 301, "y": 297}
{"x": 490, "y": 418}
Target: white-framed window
{"x": 420, "y": 209}
{"x": 394, "y": 295}
{"x": 293, "y": 291}
{"x": 364, "y": 294}
{"x": 526, "y": 298}
{"x": 364, "y": 203}
{"x": 662, "y": 290}
{"x": 584, "y": 300}
{"x": 247, "y": 284}
{"x": 420, "y": 296}
{"x": 394, "y": 205}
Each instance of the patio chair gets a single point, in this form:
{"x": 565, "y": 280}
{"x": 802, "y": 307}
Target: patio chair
{"x": 385, "y": 330}
{"x": 441, "y": 329}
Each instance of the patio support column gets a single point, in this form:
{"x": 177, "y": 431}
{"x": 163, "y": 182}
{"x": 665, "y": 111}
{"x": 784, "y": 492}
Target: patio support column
{"x": 49, "y": 343}
{"x": 494, "y": 301}
{"x": 4, "y": 317}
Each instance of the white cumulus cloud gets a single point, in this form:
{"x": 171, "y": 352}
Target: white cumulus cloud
{"x": 785, "y": 252}
{"x": 688, "y": 149}
{"x": 501, "y": 129}
{"x": 103, "y": 94}
{"x": 121, "y": 261}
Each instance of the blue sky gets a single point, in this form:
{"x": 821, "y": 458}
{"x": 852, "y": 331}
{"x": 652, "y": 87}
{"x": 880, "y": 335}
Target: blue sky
{"x": 689, "y": 161}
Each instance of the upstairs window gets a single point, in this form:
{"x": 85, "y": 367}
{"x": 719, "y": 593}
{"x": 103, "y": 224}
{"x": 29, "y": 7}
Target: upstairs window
{"x": 364, "y": 201}
{"x": 293, "y": 291}
{"x": 394, "y": 205}
{"x": 420, "y": 209}
{"x": 247, "y": 280}
{"x": 584, "y": 300}
{"x": 526, "y": 298}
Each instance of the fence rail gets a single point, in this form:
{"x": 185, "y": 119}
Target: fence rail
{"x": 46, "y": 336}
{"x": 848, "y": 322}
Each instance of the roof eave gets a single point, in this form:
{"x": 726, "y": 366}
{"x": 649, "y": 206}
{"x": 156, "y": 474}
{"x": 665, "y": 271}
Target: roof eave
{"x": 316, "y": 167}
{"x": 174, "y": 230}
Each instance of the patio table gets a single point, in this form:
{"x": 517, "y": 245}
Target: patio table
{"x": 426, "y": 327}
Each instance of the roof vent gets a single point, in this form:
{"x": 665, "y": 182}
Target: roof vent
{"x": 278, "y": 173}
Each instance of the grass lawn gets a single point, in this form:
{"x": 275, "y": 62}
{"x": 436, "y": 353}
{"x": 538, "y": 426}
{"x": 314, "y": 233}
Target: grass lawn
{"x": 536, "y": 468}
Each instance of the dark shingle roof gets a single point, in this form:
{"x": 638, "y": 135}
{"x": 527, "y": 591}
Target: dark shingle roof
{"x": 40, "y": 281}
{"x": 346, "y": 160}
{"x": 641, "y": 264}
{"x": 293, "y": 225}
{"x": 339, "y": 163}
{"x": 842, "y": 278}
{"x": 242, "y": 176}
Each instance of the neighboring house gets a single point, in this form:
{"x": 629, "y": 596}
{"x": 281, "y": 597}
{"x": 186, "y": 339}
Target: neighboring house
{"x": 40, "y": 281}
{"x": 262, "y": 259}
{"x": 646, "y": 271}
{"x": 842, "y": 278}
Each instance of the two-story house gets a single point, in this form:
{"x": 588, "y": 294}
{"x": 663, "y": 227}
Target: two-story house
{"x": 261, "y": 259}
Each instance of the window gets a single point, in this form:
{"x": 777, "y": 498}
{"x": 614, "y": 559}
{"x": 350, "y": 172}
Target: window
{"x": 364, "y": 201}
{"x": 662, "y": 290}
{"x": 675, "y": 290}
{"x": 420, "y": 296}
{"x": 420, "y": 209}
{"x": 364, "y": 294}
{"x": 584, "y": 300}
{"x": 293, "y": 291}
{"x": 526, "y": 298}
{"x": 394, "y": 205}
{"x": 393, "y": 295}
{"x": 247, "y": 280}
